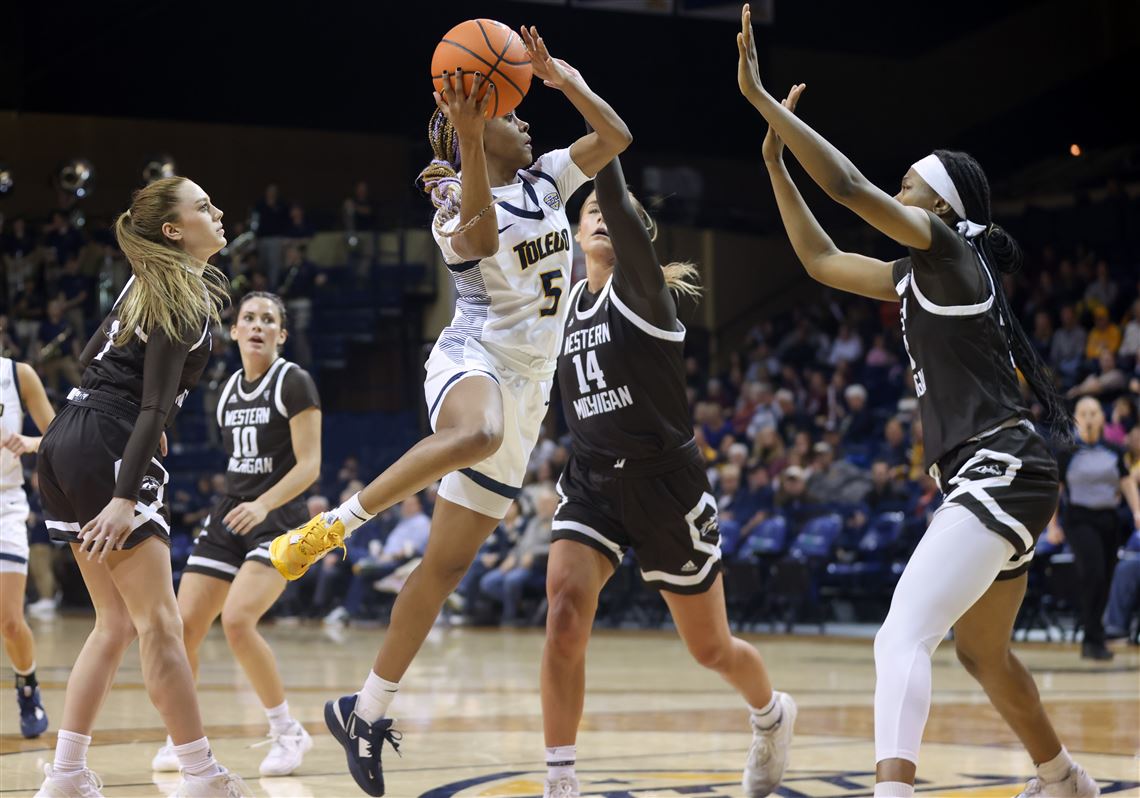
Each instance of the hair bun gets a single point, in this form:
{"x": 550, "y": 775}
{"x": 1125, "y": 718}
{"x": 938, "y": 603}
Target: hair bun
{"x": 1005, "y": 252}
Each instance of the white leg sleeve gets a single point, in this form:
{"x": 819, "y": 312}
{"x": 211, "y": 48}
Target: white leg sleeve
{"x": 955, "y": 563}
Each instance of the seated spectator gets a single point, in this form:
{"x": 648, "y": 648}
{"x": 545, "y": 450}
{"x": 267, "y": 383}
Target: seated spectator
{"x": 525, "y": 565}
{"x": 728, "y": 491}
{"x": 405, "y": 542}
{"x": 1103, "y": 291}
{"x": 1042, "y": 338}
{"x": 271, "y": 213}
{"x": 846, "y": 348}
{"x": 298, "y": 226}
{"x": 858, "y": 427}
{"x": 1067, "y": 350}
{"x": 1108, "y": 379}
{"x": 835, "y": 481}
{"x": 491, "y": 554}
{"x": 61, "y": 238}
{"x": 359, "y": 213}
{"x": 73, "y": 294}
{"x": 792, "y": 500}
{"x": 1130, "y": 344}
{"x": 769, "y": 451}
{"x": 1104, "y": 337}
{"x": 18, "y": 240}
{"x": 1124, "y": 595}
{"x": 57, "y": 349}
{"x": 712, "y": 423}
{"x": 765, "y": 411}
{"x": 884, "y": 495}
{"x": 757, "y": 504}
{"x": 298, "y": 287}
{"x": 892, "y": 448}
{"x": 878, "y": 356}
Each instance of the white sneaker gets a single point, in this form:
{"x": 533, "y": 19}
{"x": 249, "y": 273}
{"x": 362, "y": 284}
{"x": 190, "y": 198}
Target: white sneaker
{"x": 80, "y": 784}
{"x": 221, "y": 785}
{"x": 1077, "y": 784}
{"x": 289, "y": 748}
{"x": 166, "y": 761}
{"x": 768, "y": 756}
{"x": 337, "y": 617}
{"x": 562, "y": 787}
{"x": 42, "y": 609}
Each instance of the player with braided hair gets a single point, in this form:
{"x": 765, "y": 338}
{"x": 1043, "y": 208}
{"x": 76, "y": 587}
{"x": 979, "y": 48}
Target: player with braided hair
{"x": 965, "y": 349}
{"x": 501, "y": 225}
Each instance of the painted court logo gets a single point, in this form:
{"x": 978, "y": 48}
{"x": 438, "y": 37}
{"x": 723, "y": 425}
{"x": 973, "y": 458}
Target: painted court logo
{"x": 698, "y": 783}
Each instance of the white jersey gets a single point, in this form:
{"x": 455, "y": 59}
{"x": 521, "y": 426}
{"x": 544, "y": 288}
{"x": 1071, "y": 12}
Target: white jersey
{"x": 512, "y": 302}
{"x": 11, "y": 422}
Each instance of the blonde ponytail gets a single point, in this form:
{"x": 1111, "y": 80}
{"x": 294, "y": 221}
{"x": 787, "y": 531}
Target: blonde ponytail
{"x": 173, "y": 291}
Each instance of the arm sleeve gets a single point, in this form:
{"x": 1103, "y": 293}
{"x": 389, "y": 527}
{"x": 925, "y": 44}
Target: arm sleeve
{"x": 298, "y": 391}
{"x": 162, "y": 369}
{"x": 638, "y": 278}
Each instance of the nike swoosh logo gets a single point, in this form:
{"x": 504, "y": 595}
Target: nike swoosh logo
{"x": 501, "y": 229}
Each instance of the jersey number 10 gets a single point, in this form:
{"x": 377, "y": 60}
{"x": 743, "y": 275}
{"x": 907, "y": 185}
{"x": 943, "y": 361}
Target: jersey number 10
{"x": 245, "y": 441}
{"x": 592, "y": 372}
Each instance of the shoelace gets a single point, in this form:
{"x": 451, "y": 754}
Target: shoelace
{"x": 1034, "y": 787}
{"x": 235, "y": 787}
{"x": 310, "y": 546}
{"x": 761, "y": 750}
{"x": 272, "y": 738}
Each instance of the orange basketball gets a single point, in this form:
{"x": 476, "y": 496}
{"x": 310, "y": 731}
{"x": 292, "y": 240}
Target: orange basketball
{"x": 489, "y": 47}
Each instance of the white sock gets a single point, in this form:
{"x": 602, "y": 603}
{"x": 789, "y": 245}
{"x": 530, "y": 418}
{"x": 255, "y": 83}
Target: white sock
{"x": 279, "y": 719}
{"x": 560, "y": 761}
{"x": 1057, "y": 768}
{"x": 352, "y": 514}
{"x": 769, "y": 715}
{"x": 70, "y": 752}
{"x": 197, "y": 759}
{"x": 894, "y": 789}
{"x": 375, "y": 697}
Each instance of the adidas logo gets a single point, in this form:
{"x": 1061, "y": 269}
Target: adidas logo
{"x": 688, "y": 567}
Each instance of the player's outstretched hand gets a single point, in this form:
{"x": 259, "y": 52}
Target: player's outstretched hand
{"x": 553, "y": 72}
{"x": 747, "y": 65}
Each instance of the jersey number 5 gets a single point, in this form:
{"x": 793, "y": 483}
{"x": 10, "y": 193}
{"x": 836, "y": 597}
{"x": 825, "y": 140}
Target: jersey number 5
{"x": 554, "y": 292}
{"x": 245, "y": 441}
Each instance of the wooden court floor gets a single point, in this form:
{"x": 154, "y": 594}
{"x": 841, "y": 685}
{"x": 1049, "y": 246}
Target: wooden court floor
{"x": 655, "y": 723}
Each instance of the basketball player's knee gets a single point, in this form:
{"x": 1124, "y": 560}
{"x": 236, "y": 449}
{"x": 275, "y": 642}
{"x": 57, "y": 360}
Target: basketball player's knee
{"x": 11, "y": 624}
{"x": 238, "y": 625}
{"x": 445, "y": 573}
{"x": 979, "y": 662}
{"x": 714, "y": 653}
{"x": 479, "y": 441}
{"x": 159, "y": 624}
{"x": 116, "y": 627}
{"x": 567, "y": 621}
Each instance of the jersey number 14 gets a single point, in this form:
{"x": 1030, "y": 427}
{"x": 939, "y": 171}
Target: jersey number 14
{"x": 592, "y": 373}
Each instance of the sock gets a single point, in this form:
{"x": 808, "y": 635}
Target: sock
{"x": 279, "y": 719}
{"x": 70, "y": 752}
{"x": 894, "y": 789}
{"x": 197, "y": 759}
{"x": 352, "y": 514}
{"x": 769, "y": 715}
{"x": 375, "y": 697}
{"x": 26, "y": 680}
{"x": 1057, "y": 768}
{"x": 560, "y": 761}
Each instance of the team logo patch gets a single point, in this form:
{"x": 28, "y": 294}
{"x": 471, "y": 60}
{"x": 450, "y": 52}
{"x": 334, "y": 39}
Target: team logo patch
{"x": 149, "y": 484}
{"x": 553, "y": 200}
{"x": 992, "y": 470}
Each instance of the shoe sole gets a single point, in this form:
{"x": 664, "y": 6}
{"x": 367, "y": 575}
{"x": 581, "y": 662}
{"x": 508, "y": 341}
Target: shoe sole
{"x": 336, "y": 726}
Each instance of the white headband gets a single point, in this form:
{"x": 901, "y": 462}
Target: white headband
{"x": 934, "y": 173}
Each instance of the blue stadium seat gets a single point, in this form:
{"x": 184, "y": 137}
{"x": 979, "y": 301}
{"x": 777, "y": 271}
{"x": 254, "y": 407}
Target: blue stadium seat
{"x": 770, "y": 539}
{"x": 818, "y": 537}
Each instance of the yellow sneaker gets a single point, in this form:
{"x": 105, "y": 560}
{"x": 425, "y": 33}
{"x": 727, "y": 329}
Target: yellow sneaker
{"x": 294, "y": 551}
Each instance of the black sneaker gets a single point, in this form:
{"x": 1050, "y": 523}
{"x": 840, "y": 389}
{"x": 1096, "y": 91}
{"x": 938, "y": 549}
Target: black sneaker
{"x": 1096, "y": 651}
{"x": 361, "y": 741}
{"x": 33, "y": 718}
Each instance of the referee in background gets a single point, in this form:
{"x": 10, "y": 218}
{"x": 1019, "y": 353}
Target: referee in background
{"x": 1093, "y": 477}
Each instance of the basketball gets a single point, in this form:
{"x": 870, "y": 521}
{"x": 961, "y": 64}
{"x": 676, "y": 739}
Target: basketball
{"x": 489, "y": 47}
